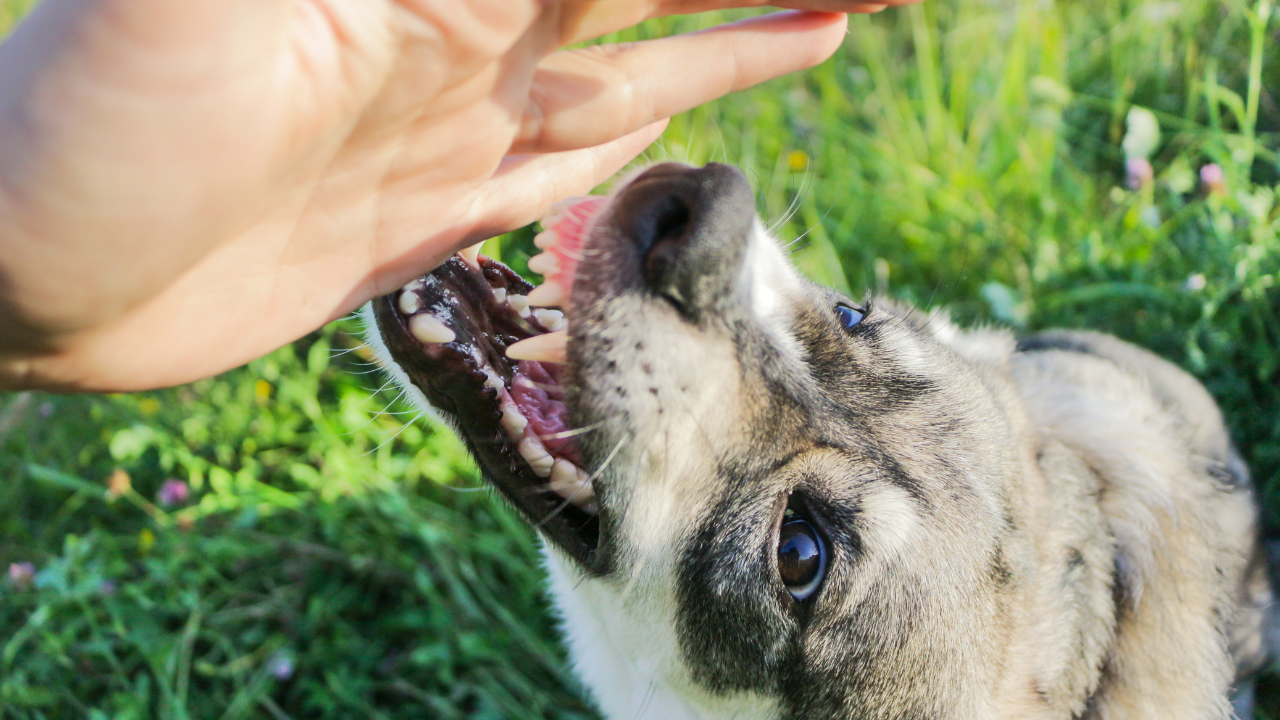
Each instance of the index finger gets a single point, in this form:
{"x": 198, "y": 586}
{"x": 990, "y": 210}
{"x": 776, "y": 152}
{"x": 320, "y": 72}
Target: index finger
{"x": 586, "y": 19}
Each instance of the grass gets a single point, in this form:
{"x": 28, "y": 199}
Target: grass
{"x": 335, "y": 558}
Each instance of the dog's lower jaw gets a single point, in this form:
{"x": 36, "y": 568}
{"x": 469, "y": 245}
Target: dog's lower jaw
{"x": 633, "y": 668}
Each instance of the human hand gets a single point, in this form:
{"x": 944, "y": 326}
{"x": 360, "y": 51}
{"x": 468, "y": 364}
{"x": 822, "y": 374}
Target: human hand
{"x": 186, "y": 186}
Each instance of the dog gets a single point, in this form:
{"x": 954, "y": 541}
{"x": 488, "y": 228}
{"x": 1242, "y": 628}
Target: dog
{"x": 761, "y": 499}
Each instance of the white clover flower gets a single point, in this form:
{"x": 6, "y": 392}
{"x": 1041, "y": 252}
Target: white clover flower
{"x": 1143, "y": 133}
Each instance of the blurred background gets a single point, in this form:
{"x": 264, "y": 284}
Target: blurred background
{"x": 288, "y": 540}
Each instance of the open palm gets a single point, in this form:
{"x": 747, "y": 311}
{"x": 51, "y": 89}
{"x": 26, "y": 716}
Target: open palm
{"x": 187, "y": 185}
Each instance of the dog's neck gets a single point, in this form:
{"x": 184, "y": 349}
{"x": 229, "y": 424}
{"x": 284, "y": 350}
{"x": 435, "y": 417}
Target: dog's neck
{"x": 625, "y": 652}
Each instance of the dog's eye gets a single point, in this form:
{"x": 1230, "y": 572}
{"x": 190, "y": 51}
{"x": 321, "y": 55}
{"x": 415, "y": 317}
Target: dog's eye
{"x": 849, "y": 317}
{"x": 802, "y": 557}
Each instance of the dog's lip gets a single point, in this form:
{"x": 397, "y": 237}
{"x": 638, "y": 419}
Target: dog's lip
{"x": 450, "y": 332}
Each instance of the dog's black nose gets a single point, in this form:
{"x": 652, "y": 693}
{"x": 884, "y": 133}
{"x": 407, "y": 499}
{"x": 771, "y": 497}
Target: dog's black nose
{"x": 690, "y": 226}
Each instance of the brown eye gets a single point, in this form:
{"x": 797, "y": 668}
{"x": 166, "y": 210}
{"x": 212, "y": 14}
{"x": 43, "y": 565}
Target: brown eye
{"x": 802, "y": 557}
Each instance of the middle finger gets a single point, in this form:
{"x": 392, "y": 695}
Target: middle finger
{"x": 585, "y": 97}
{"x": 586, "y": 19}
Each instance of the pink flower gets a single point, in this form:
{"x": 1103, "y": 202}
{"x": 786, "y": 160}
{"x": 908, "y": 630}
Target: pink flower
{"x": 1138, "y": 173}
{"x": 173, "y": 492}
{"x": 22, "y": 575}
{"x": 281, "y": 666}
{"x": 1212, "y": 180}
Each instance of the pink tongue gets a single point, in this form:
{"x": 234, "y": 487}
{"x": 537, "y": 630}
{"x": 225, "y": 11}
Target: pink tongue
{"x": 536, "y": 391}
{"x": 570, "y": 230}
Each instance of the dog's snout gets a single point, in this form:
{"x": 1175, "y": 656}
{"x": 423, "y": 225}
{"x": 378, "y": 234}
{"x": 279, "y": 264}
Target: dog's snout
{"x": 689, "y": 226}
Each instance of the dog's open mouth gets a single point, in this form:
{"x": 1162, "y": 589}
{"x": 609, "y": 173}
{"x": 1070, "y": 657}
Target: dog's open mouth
{"x": 486, "y": 346}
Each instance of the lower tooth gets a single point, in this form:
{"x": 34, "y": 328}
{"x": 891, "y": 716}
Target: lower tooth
{"x": 548, "y": 318}
{"x": 414, "y": 285}
{"x": 500, "y": 294}
{"x": 536, "y": 455}
{"x": 492, "y": 380}
{"x": 512, "y": 421}
{"x": 564, "y": 479}
{"x": 430, "y": 330}
{"x": 520, "y": 304}
{"x": 410, "y": 303}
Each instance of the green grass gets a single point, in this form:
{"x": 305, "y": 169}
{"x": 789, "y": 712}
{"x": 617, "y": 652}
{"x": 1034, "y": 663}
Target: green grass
{"x": 336, "y": 560}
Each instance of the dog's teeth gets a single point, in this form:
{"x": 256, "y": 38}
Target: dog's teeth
{"x": 413, "y": 286}
{"x": 410, "y": 303}
{"x": 512, "y": 421}
{"x": 519, "y": 303}
{"x": 546, "y": 239}
{"x": 492, "y": 380}
{"x": 536, "y": 455}
{"x": 558, "y": 325}
{"x": 548, "y": 294}
{"x": 548, "y": 318}
{"x": 542, "y": 348}
{"x": 471, "y": 254}
{"x": 544, "y": 264}
{"x": 500, "y": 294}
{"x": 567, "y": 482}
{"x": 430, "y": 330}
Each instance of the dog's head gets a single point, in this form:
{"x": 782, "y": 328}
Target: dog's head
{"x": 764, "y": 499}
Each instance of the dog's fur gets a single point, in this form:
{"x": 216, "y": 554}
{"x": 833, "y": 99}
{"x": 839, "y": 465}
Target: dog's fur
{"x": 1051, "y": 528}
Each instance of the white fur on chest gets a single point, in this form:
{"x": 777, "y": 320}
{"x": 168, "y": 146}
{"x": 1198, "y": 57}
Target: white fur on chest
{"x": 626, "y": 653}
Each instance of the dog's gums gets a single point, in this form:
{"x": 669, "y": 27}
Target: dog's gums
{"x": 486, "y": 346}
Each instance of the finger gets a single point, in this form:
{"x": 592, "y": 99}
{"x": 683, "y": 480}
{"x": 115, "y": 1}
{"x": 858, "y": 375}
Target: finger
{"x": 586, "y": 19}
{"x": 525, "y": 186}
{"x": 590, "y": 96}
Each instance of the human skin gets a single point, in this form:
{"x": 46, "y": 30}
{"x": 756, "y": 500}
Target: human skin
{"x": 185, "y": 186}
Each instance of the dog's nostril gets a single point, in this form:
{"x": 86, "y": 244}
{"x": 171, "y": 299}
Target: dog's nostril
{"x": 671, "y": 220}
{"x": 666, "y": 229}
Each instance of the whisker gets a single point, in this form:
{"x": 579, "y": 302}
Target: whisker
{"x": 393, "y": 437}
{"x": 571, "y": 433}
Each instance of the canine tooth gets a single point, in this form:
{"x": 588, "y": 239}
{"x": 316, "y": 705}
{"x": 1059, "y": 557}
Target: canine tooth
{"x": 513, "y": 421}
{"x": 544, "y": 263}
{"x": 546, "y": 239}
{"x": 471, "y": 254}
{"x": 430, "y": 330}
{"x": 548, "y": 317}
{"x": 536, "y": 455}
{"x": 548, "y": 294}
{"x": 519, "y": 303}
{"x": 549, "y": 347}
{"x": 500, "y": 294}
{"x": 410, "y": 303}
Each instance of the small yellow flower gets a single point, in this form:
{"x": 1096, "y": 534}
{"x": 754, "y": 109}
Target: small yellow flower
{"x": 146, "y": 539}
{"x": 262, "y": 390}
{"x": 118, "y": 483}
{"x": 797, "y": 160}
